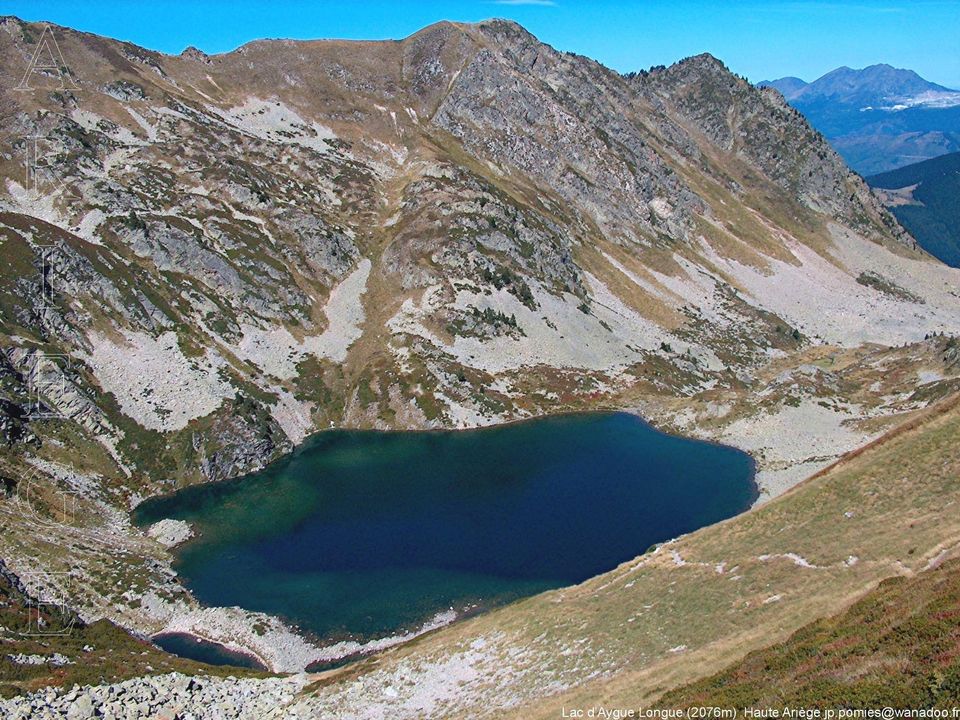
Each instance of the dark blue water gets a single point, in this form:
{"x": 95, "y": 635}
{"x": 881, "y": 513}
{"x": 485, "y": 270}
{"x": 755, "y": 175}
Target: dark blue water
{"x": 364, "y": 534}
{"x": 204, "y": 651}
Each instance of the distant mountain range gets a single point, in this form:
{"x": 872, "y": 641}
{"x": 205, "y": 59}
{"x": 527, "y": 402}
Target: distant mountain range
{"x": 878, "y": 118}
{"x": 925, "y": 197}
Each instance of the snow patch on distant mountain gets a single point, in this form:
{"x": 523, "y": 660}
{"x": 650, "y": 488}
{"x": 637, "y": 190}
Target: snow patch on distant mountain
{"x": 933, "y": 99}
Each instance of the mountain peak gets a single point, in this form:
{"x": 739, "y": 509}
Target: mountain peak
{"x": 704, "y": 60}
{"x": 503, "y": 26}
{"x": 788, "y": 86}
{"x": 192, "y": 53}
{"x": 869, "y": 86}
{"x": 503, "y": 29}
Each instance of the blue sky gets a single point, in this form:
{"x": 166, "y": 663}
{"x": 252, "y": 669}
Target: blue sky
{"x": 758, "y": 39}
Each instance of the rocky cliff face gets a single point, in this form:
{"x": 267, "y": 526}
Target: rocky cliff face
{"x": 759, "y": 127}
{"x": 206, "y": 258}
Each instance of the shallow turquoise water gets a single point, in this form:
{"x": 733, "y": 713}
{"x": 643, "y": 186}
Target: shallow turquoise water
{"x": 365, "y": 534}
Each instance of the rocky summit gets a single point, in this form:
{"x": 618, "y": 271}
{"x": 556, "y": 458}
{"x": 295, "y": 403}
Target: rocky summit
{"x": 207, "y": 258}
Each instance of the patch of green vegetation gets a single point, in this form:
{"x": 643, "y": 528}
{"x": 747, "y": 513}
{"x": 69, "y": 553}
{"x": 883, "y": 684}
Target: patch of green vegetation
{"x": 365, "y": 394}
{"x": 17, "y": 271}
{"x": 501, "y": 277}
{"x": 430, "y": 406}
{"x": 496, "y": 317}
{"x": 311, "y": 384}
{"x": 935, "y": 390}
{"x": 485, "y": 323}
{"x": 132, "y": 221}
{"x": 150, "y": 451}
{"x": 888, "y": 287}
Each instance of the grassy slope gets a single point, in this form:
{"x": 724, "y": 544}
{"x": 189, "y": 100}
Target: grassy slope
{"x": 897, "y": 491}
{"x": 936, "y": 223}
{"x": 899, "y": 646}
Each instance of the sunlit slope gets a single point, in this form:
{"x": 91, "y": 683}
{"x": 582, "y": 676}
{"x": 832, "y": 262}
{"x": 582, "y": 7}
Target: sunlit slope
{"x": 897, "y": 647}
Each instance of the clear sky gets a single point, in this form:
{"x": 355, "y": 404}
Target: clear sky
{"x": 760, "y": 40}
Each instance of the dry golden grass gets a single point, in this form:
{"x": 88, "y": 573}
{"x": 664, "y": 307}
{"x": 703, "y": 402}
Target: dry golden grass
{"x": 646, "y": 304}
{"x": 897, "y": 492}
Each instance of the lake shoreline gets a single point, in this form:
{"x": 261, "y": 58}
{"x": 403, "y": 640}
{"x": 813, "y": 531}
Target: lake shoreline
{"x": 230, "y": 647}
{"x": 280, "y": 648}
{"x": 288, "y": 648}
{"x": 318, "y": 434}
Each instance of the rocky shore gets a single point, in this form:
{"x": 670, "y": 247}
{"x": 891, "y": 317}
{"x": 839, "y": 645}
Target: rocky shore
{"x": 170, "y": 533}
{"x": 277, "y": 646}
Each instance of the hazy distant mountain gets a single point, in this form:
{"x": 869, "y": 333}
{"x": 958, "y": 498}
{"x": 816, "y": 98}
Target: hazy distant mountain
{"x": 925, "y": 197}
{"x": 878, "y": 118}
{"x": 875, "y": 87}
{"x": 788, "y": 86}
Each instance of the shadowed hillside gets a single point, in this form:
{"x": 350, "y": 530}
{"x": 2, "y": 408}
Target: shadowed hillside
{"x": 925, "y": 197}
